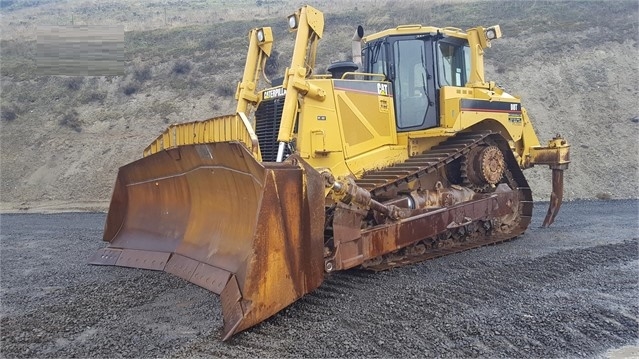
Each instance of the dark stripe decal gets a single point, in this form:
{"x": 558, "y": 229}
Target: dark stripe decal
{"x": 490, "y": 106}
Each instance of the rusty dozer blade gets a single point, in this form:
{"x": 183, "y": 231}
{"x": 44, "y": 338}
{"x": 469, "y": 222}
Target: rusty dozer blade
{"x": 211, "y": 214}
{"x": 556, "y": 196}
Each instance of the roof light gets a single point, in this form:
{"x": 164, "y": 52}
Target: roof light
{"x": 260, "y": 35}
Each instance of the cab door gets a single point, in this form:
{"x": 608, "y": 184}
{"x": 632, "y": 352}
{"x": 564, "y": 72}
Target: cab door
{"x": 411, "y": 73}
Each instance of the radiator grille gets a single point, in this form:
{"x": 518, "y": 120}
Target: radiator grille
{"x": 267, "y": 125}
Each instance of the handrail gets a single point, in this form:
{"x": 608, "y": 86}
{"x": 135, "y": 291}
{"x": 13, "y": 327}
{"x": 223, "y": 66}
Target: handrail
{"x": 353, "y": 73}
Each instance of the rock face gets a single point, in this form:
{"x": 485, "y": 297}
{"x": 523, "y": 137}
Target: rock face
{"x": 64, "y": 138}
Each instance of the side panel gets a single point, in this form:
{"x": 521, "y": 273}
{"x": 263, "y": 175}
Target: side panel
{"x": 352, "y": 129}
{"x": 366, "y": 116}
{"x": 319, "y": 139}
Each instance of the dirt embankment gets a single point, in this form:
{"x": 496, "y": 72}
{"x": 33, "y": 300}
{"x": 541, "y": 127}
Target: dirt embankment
{"x": 576, "y": 73}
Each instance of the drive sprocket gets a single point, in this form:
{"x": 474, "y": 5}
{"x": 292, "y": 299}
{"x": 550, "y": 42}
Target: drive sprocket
{"x": 483, "y": 167}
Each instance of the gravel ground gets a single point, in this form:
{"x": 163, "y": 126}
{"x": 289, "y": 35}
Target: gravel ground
{"x": 567, "y": 291}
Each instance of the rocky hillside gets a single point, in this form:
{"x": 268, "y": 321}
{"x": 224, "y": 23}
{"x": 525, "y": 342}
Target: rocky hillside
{"x": 63, "y": 138}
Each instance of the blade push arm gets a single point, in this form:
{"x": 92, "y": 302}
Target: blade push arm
{"x": 309, "y": 24}
{"x": 260, "y": 46}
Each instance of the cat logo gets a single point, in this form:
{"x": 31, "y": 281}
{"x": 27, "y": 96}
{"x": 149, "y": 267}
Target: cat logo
{"x": 276, "y": 92}
{"x": 382, "y": 89}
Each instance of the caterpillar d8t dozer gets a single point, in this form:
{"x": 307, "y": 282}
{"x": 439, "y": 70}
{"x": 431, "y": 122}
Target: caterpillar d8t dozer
{"x": 405, "y": 153}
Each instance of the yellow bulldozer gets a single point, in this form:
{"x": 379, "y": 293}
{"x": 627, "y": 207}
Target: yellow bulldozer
{"x": 403, "y": 154}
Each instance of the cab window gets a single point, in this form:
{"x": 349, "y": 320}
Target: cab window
{"x": 453, "y": 61}
{"x": 376, "y": 58}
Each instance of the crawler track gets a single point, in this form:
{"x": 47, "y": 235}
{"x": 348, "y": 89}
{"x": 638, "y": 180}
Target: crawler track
{"x": 475, "y": 234}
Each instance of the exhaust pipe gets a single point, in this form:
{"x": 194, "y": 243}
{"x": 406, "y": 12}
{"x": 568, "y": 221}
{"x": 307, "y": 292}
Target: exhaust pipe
{"x": 357, "y": 46}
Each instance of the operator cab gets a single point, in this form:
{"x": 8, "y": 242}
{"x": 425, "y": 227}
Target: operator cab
{"x": 418, "y": 66}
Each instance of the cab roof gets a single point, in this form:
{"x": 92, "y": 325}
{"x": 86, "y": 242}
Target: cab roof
{"x": 417, "y": 29}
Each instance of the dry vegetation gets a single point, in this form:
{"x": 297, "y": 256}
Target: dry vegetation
{"x": 63, "y": 138}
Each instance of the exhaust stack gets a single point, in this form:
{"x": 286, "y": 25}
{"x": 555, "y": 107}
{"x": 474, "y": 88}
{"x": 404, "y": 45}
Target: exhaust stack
{"x": 357, "y": 46}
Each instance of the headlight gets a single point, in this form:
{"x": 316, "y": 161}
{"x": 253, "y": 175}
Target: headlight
{"x": 490, "y": 34}
{"x": 292, "y": 22}
{"x": 260, "y": 35}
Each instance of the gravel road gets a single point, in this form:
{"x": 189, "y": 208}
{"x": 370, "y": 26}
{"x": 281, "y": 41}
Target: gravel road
{"x": 567, "y": 291}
